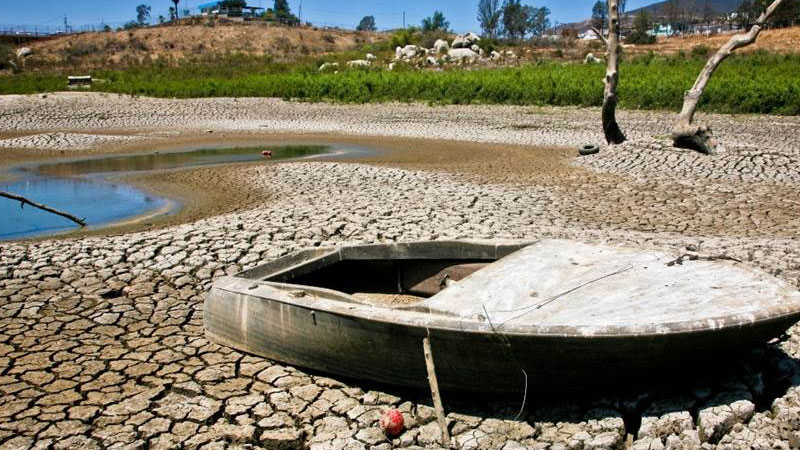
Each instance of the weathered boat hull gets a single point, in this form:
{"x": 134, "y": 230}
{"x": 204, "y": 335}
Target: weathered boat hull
{"x": 329, "y": 331}
{"x": 392, "y": 353}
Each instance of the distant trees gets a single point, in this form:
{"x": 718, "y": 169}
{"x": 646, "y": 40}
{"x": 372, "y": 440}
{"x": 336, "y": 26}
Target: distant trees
{"x": 437, "y": 22}
{"x": 519, "y": 20}
{"x": 282, "y": 14}
{"x": 174, "y": 11}
{"x": 367, "y": 24}
{"x": 143, "y": 15}
{"x": 538, "y": 20}
{"x": 599, "y": 15}
{"x": 642, "y": 25}
{"x": 708, "y": 12}
{"x": 489, "y": 14}
{"x": 515, "y": 20}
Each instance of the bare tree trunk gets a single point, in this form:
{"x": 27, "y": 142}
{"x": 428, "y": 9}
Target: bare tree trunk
{"x": 700, "y": 137}
{"x": 24, "y": 201}
{"x": 610, "y": 127}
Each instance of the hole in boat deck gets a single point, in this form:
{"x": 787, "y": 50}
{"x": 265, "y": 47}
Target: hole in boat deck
{"x": 78, "y": 186}
{"x": 388, "y": 282}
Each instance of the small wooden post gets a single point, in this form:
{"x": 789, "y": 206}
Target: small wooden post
{"x": 437, "y": 398}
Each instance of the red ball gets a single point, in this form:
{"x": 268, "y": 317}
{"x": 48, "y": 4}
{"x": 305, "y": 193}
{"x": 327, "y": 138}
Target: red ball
{"x": 392, "y": 422}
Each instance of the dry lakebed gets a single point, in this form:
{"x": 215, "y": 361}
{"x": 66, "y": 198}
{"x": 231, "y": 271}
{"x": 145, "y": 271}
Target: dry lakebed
{"x": 101, "y": 332}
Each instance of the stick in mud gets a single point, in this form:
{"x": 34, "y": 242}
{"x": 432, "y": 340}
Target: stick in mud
{"x": 24, "y": 201}
{"x": 437, "y": 398}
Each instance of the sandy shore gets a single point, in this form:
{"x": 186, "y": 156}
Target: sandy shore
{"x": 101, "y": 337}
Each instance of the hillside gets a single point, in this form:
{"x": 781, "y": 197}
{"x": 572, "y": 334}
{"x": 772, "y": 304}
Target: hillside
{"x": 104, "y": 49}
{"x": 718, "y": 6}
{"x": 780, "y": 40}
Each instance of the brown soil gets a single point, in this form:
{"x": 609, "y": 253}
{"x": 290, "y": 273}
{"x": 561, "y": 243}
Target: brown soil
{"x": 186, "y": 41}
{"x": 783, "y": 40}
{"x": 590, "y": 198}
{"x": 212, "y": 191}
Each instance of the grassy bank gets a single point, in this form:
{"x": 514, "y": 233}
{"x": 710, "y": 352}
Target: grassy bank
{"x": 754, "y": 83}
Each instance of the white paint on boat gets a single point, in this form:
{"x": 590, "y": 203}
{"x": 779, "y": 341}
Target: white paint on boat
{"x": 590, "y": 288}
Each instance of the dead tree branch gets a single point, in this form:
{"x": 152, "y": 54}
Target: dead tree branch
{"x": 610, "y": 127}
{"x": 599, "y": 35}
{"x": 437, "y": 398}
{"x": 23, "y": 201}
{"x": 700, "y": 137}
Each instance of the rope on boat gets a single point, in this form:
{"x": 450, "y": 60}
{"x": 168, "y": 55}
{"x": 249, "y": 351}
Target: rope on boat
{"x": 546, "y": 302}
{"x": 514, "y": 357}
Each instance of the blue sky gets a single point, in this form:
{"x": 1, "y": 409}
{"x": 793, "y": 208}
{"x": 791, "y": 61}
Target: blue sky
{"x": 342, "y": 13}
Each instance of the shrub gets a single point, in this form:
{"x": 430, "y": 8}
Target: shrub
{"x": 751, "y": 83}
{"x": 701, "y": 51}
{"x": 6, "y": 54}
{"x": 407, "y": 36}
{"x": 638, "y": 38}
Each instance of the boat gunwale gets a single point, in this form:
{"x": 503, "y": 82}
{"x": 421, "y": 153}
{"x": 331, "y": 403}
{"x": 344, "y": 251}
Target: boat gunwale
{"x": 448, "y": 323}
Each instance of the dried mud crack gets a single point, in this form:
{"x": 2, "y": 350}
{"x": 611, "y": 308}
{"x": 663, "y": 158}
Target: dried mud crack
{"x": 101, "y": 337}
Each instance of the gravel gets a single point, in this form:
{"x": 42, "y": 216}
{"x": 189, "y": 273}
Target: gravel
{"x": 101, "y": 338}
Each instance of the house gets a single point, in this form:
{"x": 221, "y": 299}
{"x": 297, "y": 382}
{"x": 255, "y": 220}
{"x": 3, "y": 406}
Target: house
{"x": 589, "y": 35}
{"x": 222, "y": 8}
{"x": 662, "y": 30}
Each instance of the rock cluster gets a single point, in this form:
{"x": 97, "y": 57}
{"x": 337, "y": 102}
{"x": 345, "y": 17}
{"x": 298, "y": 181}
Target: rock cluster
{"x": 464, "y": 50}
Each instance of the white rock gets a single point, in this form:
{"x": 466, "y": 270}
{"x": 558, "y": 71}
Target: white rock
{"x": 465, "y": 40}
{"x": 371, "y": 57}
{"x": 591, "y": 59}
{"x": 432, "y": 61}
{"x": 327, "y": 66}
{"x": 463, "y": 55}
{"x": 440, "y": 46}
{"x": 391, "y": 66}
{"x": 495, "y": 56}
{"x": 24, "y": 52}
{"x": 407, "y": 52}
{"x": 359, "y": 63}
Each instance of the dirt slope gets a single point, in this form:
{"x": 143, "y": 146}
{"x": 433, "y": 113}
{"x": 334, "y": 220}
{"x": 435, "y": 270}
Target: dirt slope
{"x": 110, "y": 48}
{"x": 783, "y": 40}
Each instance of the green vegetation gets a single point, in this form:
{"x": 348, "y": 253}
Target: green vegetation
{"x": 641, "y": 25}
{"x": 753, "y": 83}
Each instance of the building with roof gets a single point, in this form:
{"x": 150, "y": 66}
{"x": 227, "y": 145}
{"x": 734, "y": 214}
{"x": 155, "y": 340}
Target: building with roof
{"x": 224, "y": 8}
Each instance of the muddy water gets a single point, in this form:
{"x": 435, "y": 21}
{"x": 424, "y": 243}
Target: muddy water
{"x": 85, "y": 187}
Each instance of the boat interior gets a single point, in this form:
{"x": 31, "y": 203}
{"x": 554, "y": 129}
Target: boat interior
{"x": 383, "y": 275}
{"x": 390, "y": 281}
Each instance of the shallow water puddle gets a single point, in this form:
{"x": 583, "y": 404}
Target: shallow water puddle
{"x": 83, "y": 187}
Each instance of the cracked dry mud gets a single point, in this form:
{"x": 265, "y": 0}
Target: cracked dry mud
{"x": 101, "y": 338}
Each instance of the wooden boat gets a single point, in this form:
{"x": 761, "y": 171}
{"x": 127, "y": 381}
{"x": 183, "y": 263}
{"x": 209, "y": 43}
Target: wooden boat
{"x": 553, "y": 313}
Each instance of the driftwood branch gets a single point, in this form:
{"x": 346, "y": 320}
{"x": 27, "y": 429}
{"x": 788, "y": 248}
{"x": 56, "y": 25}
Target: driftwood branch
{"x": 437, "y": 398}
{"x": 599, "y": 35}
{"x": 610, "y": 127}
{"x": 23, "y": 201}
{"x": 699, "y": 137}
